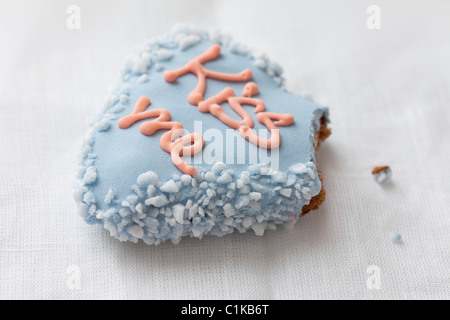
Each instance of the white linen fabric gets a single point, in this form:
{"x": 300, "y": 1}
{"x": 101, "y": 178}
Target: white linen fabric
{"x": 388, "y": 95}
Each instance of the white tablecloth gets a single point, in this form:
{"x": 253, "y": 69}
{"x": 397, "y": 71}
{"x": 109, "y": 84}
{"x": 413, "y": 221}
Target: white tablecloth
{"x": 388, "y": 92}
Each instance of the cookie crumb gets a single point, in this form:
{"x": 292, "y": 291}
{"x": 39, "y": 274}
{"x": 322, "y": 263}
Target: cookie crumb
{"x": 382, "y": 174}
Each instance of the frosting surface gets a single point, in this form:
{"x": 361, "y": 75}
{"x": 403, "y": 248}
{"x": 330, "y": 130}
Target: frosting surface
{"x": 127, "y": 180}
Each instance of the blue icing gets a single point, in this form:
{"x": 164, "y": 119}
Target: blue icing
{"x": 223, "y": 197}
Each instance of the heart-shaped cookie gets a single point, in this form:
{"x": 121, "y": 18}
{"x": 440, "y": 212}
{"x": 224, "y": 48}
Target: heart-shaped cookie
{"x": 200, "y": 137}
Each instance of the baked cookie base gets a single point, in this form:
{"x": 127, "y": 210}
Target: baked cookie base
{"x": 316, "y": 201}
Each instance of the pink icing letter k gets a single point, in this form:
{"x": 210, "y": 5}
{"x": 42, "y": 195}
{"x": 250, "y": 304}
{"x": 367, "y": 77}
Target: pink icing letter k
{"x": 196, "y": 67}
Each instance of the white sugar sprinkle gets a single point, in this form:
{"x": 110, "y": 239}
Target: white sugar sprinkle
{"x": 148, "y": 178}
{"x": 255, "y": 196}
{"x": 89, "y": 198}
{"x": 92, "y": 209}
{"x": 229, "y": 210}
{"x": 143, "y": 78}
{"x": 279, "y": 177}
{"x": 210, "y": 193}
{"x": 136, "y": 231}
{"x": 186, "y": 179}
{"x": 142, "y": 64}
{"x": 244, "y": 190}
{"x": 286, "y": 192}
{"x": 260, "y": 218}
{"x": 231, "y": 194}
{"x": 299, "y": 168}
{"x": 164, "y": 54}
{"x": 228, "y": 221}
{"x": 258, "y": 228}
{"x": 311, "y": 174}
{"x": 193, "y": 210}
{"x": 123, "y": 99}
{"x": 103, "y": 125}
{"x": 242, "y": 201}
{"x": 178, "y": 213}
{"x": 158, "y": 201}
{"x": 258, "y": 187}
{"x": 197, "y": 232}
{"x": 210, "y": 177}
{"x": 169, "y": 187}
{"x": 261, "y": 64}
{"x": 218, "y": 167}
{"x": 151, "y": 190}
{"x": 291, "y": 180}
{"x": 225, "y": 179}
{"x": 90, "y": 176}
{"x": 247, "y": 222}
{"x": 188, "y": 42}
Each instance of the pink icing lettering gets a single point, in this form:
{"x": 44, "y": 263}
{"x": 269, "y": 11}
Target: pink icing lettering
{"x": 196, "y": 67}
{"x": 212, "y": 105}
{"x": 172, "y": 142}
